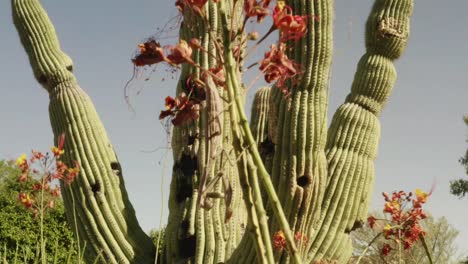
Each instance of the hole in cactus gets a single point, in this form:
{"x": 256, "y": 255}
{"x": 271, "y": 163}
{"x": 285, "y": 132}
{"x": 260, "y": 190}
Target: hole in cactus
{"x": 191, "y": 139}
{"x": 42, "y": 79}
{"x": 357, "y": 224}
{"x": 303, "y": 180}
{"x": 187, "y": 164}
{"x": 70, "y": 68}
{"x": 115, "y": 165}
{"x": 184, "y": 227}
{"x": 95, "y": 187}
{"x": 188, "y": 246}
{"x": 185, "y": 191}
{"x": 267, "y": 147}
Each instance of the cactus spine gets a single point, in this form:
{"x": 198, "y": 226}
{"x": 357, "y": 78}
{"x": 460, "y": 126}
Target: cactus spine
{"x": 313, "y": 180}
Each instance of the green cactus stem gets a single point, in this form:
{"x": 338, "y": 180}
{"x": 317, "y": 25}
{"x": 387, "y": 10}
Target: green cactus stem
{"x": 194, "y": 234}
{"x": 96, "y": 203}
{"x": 354, "y": 132}
{"x": 324, "y": 179}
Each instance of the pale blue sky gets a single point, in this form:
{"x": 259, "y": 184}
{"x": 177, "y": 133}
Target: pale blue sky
{"x": 422, "y": 130}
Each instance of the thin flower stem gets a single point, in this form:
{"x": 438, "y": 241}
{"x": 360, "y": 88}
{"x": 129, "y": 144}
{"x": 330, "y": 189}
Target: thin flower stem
{"x": 399, "y": 247}
{"x": 426, "y": 248}
{"x": 41, "y": 212}
{"x": 252, "y": 49}
{"x": 368, "y": 246}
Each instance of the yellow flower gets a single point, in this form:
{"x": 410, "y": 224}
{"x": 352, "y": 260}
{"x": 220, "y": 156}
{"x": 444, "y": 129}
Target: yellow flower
{"x": 421, "y": 196}
{"x": 57, "y": 151}
{"x": 280, "y": 5}
{"x": 21, "y": 160}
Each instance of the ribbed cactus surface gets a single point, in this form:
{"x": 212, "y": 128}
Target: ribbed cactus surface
{"x": 97, "y": 204}
{"x": 289, "y": 173}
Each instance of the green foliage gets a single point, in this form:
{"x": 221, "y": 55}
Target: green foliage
{"x": 19, "y": 228}
{"x": 440, "y": 238}
{"x": 460, "y": 187}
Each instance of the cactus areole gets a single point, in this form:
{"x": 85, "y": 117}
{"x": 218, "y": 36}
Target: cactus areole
{"x": 284, "y": 188}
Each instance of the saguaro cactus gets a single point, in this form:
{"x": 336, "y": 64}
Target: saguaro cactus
{"x": 102, "y": 218}
{"x": 287, "y": 178}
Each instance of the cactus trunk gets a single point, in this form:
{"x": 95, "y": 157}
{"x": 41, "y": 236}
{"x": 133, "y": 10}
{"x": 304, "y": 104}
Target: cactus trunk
{"x": 287, "y": 173}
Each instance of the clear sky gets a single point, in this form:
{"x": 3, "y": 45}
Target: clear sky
{"x": 423, "y": 134}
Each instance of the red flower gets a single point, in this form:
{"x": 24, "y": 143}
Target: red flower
{"x": 36, "y": 155}
{"x": 25, "y": 200}
{"x": 386, "y": 249}
{"x": 183, "y": 109}
{"x": 404, "y": 226}
{"x": 291, "y": 26}
{"x": 277, "y": 66}
{"x": 252, "y": 8}
{"x": 279, "y": 241}
{"x": 55, "y": 191}
{"x": 300, "y": 239}
{"x": 371, "y": 220}
{"x": 196, "y": 5}
{"x": 150, "y": 53}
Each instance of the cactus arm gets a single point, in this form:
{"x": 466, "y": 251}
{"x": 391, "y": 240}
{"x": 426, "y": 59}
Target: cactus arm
{"x": 354, "y": 132}
{"x": 237, "y": 111}
{"x": 106, "y": 219}
{"x": 297, "y": 125}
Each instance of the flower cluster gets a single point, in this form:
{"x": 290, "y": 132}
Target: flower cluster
{"x": 292, "y": 27}
{"x": 38, "y": 174}
{"x": 404, "y": 224}
{"x": 151, "y": 52}
{"x": 279, "y": 240}
{"x": 278, "y": 67}
{"x": 254, "y": 8}
{"x": 181, "y": 108}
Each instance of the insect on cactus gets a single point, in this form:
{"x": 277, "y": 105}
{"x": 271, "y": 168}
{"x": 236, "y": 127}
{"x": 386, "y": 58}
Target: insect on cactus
{"x": 293, "y": 189}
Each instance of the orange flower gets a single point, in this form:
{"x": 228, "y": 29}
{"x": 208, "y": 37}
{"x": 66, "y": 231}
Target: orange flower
{"x": 55, "y": 191}
{"x": 25, "y": 200}
{"x": 72, "y": 173}
{"x": 180, "y": 53}
{"x": 404, "y": 226}
{"x": 279, "y": 241}
{"x": 51, "y": 204}
{"x": 36, "y": 155}
{"x": 23, "y": 177}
